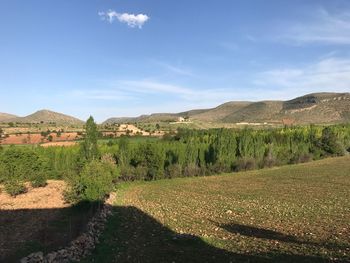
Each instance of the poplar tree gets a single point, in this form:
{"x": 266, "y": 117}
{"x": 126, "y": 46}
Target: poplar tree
{"x": 89, "y": 147}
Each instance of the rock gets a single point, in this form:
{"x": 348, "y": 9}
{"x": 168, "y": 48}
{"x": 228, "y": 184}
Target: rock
{"x": 50, "y": 258}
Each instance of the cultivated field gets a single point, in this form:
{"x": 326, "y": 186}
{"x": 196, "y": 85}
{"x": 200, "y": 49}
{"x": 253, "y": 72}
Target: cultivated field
{"x": 297, "y": 213}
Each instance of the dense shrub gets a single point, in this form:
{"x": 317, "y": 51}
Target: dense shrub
{"x": 173, "y": 171}
{"x": 15, "y": 187}
{"x": 93, "y": 183}
{"x": 38, "y": 180}
{"x": 18, "y": 165}
{"x": 245, "y": 164}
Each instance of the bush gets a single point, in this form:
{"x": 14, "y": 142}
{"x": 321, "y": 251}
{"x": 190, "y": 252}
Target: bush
{"x": 93, "y": 184}
{"x": 38, "y": 180}
{"x": 245, "y": 164}
{"x": 173, "y": 170}
{"x": 14, "y": 188}
{"x": 192, "y": 170}
{"x": 219, "y": 167}
{"x": 20, "y": 164}
{"x": 3, "y": 174}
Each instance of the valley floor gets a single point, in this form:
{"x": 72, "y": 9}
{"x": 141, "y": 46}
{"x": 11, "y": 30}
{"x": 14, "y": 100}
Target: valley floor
{"x": 297, "y": 213}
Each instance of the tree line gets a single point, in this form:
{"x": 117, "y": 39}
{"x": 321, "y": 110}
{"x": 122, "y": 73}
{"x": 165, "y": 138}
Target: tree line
{"x": 91, "y": 168}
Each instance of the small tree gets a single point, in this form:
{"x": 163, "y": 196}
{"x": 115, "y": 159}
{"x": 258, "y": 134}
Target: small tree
{"x": 1, "y": 134}
{"x": 330, "y": 142}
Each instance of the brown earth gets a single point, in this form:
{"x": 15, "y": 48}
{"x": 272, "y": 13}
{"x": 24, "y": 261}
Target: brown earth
{"x": 63, "y": 144}
{"x": 39, "y": 220}
{"x": 36, "y": 198}
{"x": 37, "y": 138}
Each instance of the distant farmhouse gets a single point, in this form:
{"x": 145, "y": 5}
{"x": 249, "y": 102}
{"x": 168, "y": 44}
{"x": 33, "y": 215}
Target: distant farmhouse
{"x": 182, "y": 120}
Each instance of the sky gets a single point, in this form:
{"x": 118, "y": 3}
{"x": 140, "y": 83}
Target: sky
{"x": 112, "y": 58}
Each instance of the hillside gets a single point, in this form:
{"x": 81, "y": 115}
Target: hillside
{"x": 264, "y": 111}
{"x": 311, "y": 108}
{"x": 47, "y": 116}
{"x": 6, "y": 116}
{"x": 221, "y": 111}
{"x": 318, "y": 108}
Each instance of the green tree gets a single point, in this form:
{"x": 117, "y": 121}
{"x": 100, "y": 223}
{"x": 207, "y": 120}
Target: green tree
{"x": 149, "y": 157}
{"x": 330, "y": 142}
{"x": 89, "y": 148}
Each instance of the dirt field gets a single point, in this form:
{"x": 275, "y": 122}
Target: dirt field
{"x": 37, "y": 138}
{"x": 63, "y": 144}
{"x": 38, "y": 220}
{"x": 36, "y": 198}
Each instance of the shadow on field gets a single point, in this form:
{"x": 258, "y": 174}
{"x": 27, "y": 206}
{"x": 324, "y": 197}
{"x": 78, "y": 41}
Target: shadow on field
{"x": 251, "y": 231}
{"x": 25, "y": 231}
{"x": 133, "y": 236}
{"x": 257, "y": 232}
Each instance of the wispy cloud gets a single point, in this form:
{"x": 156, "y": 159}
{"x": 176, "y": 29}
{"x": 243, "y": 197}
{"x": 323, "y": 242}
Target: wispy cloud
{"x": 136, "y": 90}
{"x": 102, "y": 94}
{"x": 146, "y": 86}
{"x": 179, "y": 70}
{"x": 195, "y": 96}
{"x": 329, "y": 74}
{"x": 323, "y": 28}
{"x": 131, "y": 20}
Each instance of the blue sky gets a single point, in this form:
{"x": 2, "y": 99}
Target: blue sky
{"x": 129, "y": 57}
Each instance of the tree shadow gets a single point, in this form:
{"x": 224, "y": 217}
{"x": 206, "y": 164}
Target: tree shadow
{"x": 130, "y": 236}
{"x": 25, "y": 231}
{"x": 251, "y": 231}
{"x": 257, "y": 232}
{"x": 134, "y": 236}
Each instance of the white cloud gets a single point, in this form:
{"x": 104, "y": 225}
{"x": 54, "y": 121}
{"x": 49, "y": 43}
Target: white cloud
{"x": 329, "y": 74}
{"x": 131, "y": 20}
{"x": 323, "y": 28}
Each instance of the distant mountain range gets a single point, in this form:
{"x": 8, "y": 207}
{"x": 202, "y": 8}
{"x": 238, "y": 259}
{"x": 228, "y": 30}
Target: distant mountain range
{"x": 42, "y": 116}
{"x": 312, "y": 108}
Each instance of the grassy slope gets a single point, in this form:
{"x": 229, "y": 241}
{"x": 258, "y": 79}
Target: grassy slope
{"x": 292, "y": 213}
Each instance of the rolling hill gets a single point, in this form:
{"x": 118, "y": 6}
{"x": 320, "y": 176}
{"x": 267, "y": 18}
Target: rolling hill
{"x": 6, "y": 116}
{"x": 47, "y": 116}
{"x": 311, "y": 108}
